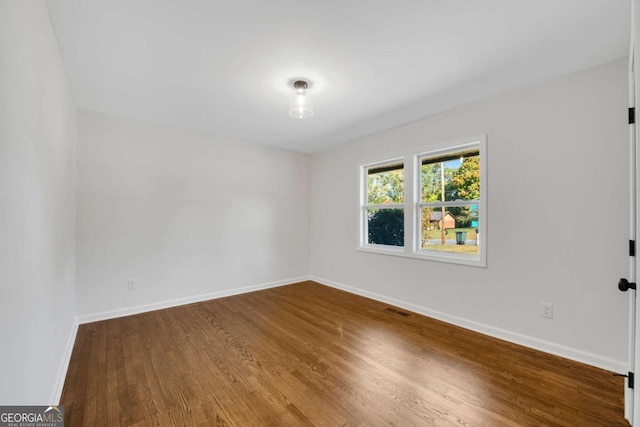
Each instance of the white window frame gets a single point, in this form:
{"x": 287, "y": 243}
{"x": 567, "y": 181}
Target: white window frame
{"x": 479, "y": 260}
{"x": 413, "y": 204}
{"x": 365, "y": 206}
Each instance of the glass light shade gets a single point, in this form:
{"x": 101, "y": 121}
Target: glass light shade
{"x": 300, "y": 106}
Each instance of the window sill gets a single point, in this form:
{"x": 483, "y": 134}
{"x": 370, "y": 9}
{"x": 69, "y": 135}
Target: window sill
{"x": 461, "y": 259}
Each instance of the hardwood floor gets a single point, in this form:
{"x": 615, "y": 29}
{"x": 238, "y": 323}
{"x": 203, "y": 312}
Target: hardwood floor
{"x": 306, "y": 354}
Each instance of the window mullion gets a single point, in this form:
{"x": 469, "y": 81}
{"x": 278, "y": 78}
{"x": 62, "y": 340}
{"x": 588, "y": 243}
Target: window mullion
{"x": 455, "y": 203}
{"x": 390, "y": 206}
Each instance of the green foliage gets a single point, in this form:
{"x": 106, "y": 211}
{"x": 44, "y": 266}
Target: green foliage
{"x": 386, "y": 227}
{"x": 426, "y": 224}
{"x": 465, "y": 181}
{"x": 461, "y": 183}
{"x": 465, "y": 185}
{"x": 431, "y": 184}
{"x": 385, "y": 188}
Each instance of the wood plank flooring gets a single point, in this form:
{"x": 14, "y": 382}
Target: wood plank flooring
{"x": 306, "y": 354}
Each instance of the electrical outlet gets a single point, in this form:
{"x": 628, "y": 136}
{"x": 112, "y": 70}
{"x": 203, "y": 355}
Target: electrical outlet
{"x": 546, "y": 310}
{"x": 290, "y": 264}
{"x": 131, "y": 285}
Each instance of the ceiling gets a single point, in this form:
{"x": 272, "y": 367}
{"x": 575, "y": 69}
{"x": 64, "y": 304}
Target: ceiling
{"x": 225, "y": 67}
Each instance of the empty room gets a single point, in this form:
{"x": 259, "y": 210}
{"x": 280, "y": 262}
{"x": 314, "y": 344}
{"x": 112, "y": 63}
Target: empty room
{"x": 355, "y": 213}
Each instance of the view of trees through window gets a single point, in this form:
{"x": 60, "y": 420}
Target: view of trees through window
{"x": 445, "y": 202}
{"x": 385, "y": 210}
{"x": 450, "y": 189}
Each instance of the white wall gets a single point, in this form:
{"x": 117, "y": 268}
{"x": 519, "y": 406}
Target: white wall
{"x": 184, "y": 214}
{"x": 37, "y": 207}
{"x": 557, "y": 226}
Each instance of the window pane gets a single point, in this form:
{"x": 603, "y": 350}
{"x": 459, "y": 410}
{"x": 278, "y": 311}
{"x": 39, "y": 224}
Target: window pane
{"x": 458, "y": 232}
{"x": 461, "y": 173}
{"x": 385, "y": 227}
{"x": 385, "y": 185}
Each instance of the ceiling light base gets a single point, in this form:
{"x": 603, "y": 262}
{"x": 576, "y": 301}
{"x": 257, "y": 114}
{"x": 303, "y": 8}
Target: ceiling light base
{"x": 300, "y": 106}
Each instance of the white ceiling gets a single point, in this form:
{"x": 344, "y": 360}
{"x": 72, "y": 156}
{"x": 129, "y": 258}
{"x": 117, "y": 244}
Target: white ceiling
{"x": 224, "y": 67}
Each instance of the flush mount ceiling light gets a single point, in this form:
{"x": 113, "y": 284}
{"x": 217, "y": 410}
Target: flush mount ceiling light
{"x": 301, "y": 106}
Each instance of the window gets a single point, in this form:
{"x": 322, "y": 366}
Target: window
{"x": 384, "y": 204}
{"x": 441, "y": 212}
{"x": 449, "y": 206}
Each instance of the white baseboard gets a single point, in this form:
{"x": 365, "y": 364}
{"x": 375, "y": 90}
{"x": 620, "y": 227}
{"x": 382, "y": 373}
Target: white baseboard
{"x": 503, "y": 334}
{"x": 112, "y": 314}
{"x": 64, "y": 365}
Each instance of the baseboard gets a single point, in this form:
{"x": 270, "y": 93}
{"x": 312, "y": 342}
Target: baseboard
{"x": 112, "y": 314}
{"x": 503, "y": 334}
{"x": 64, "y": 365}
